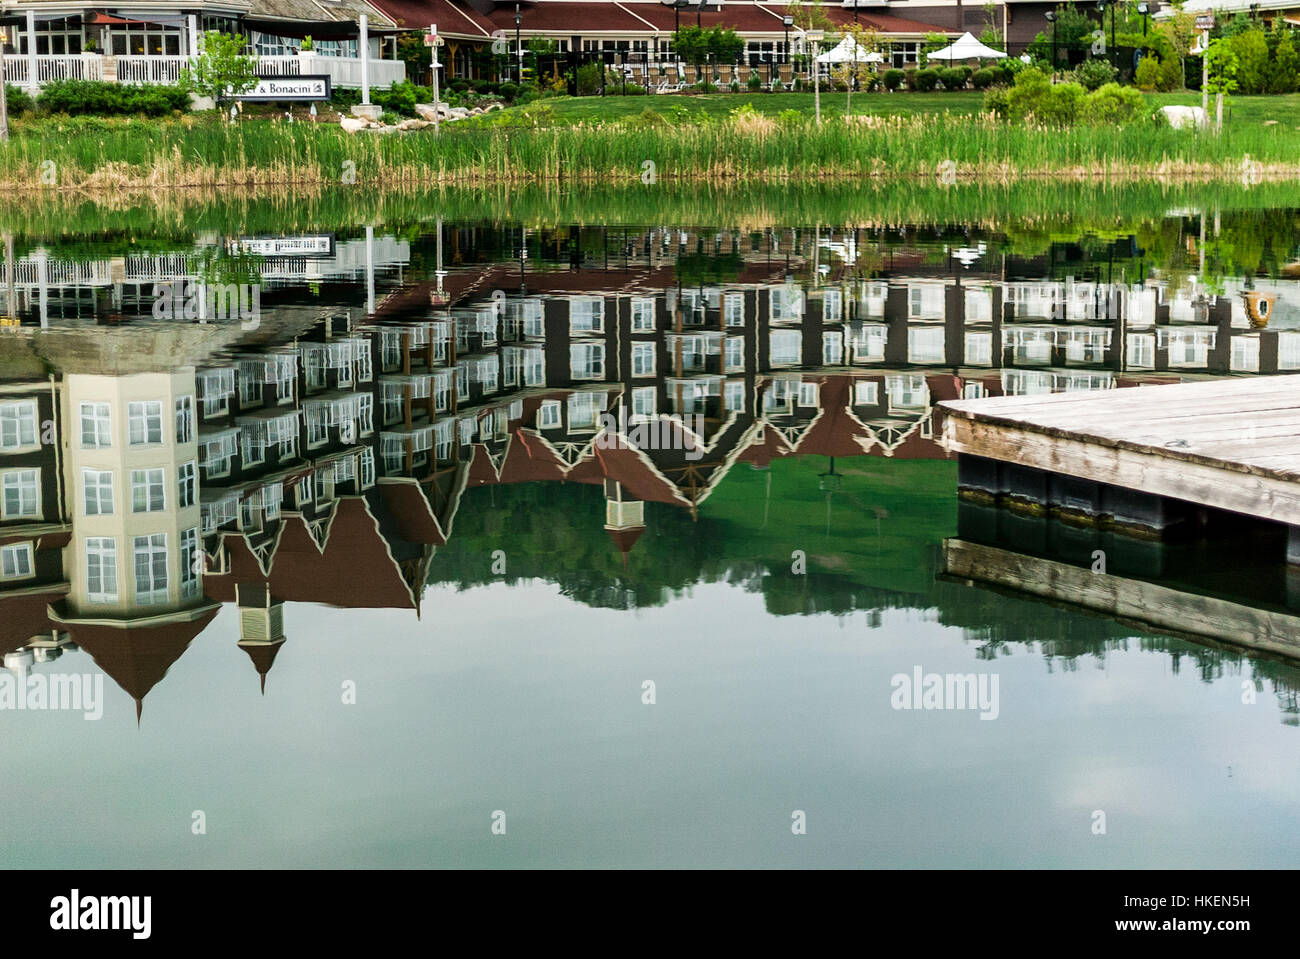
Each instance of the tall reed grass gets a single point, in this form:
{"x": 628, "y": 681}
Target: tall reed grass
{"x": 259, "y": 153}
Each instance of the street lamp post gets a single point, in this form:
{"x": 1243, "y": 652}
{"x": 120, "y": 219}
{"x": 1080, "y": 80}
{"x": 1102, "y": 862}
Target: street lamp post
{"x": 1101, "y": 9}
{"x": 1051, "y": 18}
{"x": 4, "y": 96}
{"x": 698, "y": 10}
{"x": 519, "y": 48}
{"x": 815, "y": 36}
{"x": 787, "y": 22}
{"x": 1143, "y": 9}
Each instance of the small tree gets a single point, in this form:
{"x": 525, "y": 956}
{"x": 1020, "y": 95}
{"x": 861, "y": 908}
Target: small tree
{"x": 1221, "y": 64}
{"x": 222, "y": 70}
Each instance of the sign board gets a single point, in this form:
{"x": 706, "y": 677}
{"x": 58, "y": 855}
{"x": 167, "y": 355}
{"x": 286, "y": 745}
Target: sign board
{"x": 317, "y": 245}
{"x": 431, "y": 36}
{"x": 289, "y": 88}
{"x": 1205, "y": 21}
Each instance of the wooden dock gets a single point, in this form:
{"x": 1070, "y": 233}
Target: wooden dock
{"x": 1229, "y": 445}
{"x": 1152, "y": 606}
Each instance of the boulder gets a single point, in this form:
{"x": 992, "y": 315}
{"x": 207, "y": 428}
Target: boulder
{"x": 1180, "y": 117}
{"x": 353, "y": 124}
{"x": 414, "y": 124}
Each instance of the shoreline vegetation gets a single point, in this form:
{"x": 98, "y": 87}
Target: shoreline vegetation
{"x": 1039, "y": 209}
{"x": 530, "y": 145}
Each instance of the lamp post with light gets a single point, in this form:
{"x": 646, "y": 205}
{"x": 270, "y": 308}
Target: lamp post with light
{"x": 1143, "y": 9}
{"x": 787, "y": 22}
{"x": 519, "y": 48}
{"x": 4, "y": 94}
{"x": 1051, "y": 18}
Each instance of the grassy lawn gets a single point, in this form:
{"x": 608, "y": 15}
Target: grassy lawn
{"x": 572, "y": 110}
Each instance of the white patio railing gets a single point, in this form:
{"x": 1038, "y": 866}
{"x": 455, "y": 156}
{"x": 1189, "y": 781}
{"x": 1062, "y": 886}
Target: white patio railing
{"x": 150, "y": 69}
{"x": 342, "y": 71}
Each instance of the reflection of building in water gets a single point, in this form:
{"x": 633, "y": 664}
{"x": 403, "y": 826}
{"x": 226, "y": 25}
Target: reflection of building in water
{"x": 323, "y": 456}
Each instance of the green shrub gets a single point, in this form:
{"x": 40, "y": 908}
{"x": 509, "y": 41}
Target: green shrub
{"x": 1171, "y": 75}
{"x": 1113, "y": 104}
{"x": 96, "y": 98}
{"x": 777, "y": 85}
{"x": 18, "y": 100}
{"x": 893, "y": 79}
{"x": 790, "y": 118}
{"x": 755, "y": 82}
{"x": 925, "y": 80}
{"x": 997, "y": 100}
{"x": 1034, "y": 96}
{"x": 954, "y": 78}
{"x": 1147, "y": 75}
{"x": 989, "y": 77}
{"x": 508, "y": 90}
{"x": 1094, "y": 74}
{"x": 402, "y": 97}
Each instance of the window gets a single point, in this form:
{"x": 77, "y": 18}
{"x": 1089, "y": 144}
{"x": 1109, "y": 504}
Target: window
{"x": 191, "y": 563}
{"x": 587, "y": 361}
{"x": 832, "y": 349}
{"x": 582, "y": 411}
{"x": 185, "y": 419}
{"x": 643, "y": 314}
{"x": 832, "y": 305}
{"x": 733, "y": 395}
{"x": 317, "y": 427}
{"x": 16, "y": 561}
{"x": 98, "y": 487}
{"x": 866, "y": 394}
{"x": 365, "y": 413}
{"x": 979, "y": 349}
{"x": 643, "y": 401}
{"x": 22, "y": 496}
{"x": 808, "y": 394}
{"x": 250, "y": 390}
{"x": 147, "y": 491}
{"x": 1142, "y": 351}
{"x": 786, "y": 346}
{"x": 144, "y": 423}
{"x": 365, "y": 370}
{"x": 925, "y": 344}
{"x": 643, "y": 359}
{"x": 587, "y": 315}
{"x": 101, "y": 569}
{"x": 531, "y": 312}
{"x": 187, "y": 486}
{"x": 151, "y": 568}
{"x": 95, "y": 426}
{"x": 17, "y": 425}
{"x": 367, "y": 468}
{"x": 733, "y": 309}
{"x": 548, "y": 416}
{"x": 733, "y": 353}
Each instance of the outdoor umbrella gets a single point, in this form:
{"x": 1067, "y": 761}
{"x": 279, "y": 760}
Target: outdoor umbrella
{"x": 966, "y": 48}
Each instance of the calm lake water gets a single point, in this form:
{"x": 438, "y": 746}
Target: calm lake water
{"x": 488, "y": 542}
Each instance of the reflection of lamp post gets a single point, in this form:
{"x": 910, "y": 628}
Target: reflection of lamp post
{"x": 787, "y": 22}
{"x": 1051, "y": 18}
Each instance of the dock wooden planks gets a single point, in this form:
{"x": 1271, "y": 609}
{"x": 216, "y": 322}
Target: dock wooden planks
{"x": 1154, "y": 606}
{"x": 1229, "y": 444}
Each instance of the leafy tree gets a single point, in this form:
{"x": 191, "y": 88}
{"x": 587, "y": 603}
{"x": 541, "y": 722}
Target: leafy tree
{"x": 1250, "y": 47}
{"x": 1073, "y": 30}
{"x": 222, "y": 70}
{"x": 1222, "y": 71}
{"x": 1285, "y": 75}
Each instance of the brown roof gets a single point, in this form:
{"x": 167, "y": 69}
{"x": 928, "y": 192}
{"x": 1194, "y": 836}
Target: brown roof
{"x": 138, "y": 657}
{"x": 263, "y": 657}
{"x": 415, "y": 517}
{"x": 23, "y": 617}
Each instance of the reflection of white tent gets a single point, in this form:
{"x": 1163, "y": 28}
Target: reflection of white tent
{"x": 849, "y": 51}
{"x": 966, "y": 48}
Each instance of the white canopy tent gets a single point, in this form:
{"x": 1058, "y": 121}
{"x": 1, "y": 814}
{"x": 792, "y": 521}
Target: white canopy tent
{"x": 849, "y": 51}
{"x": 966, "y": 48}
